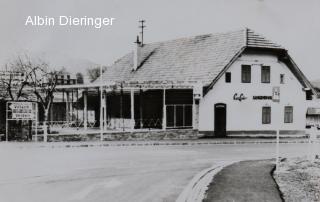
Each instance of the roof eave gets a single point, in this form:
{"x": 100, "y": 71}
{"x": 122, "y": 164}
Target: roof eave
{"x": 283, "y": 55}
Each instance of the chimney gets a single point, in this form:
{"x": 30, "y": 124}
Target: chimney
{"x": 137, "y": 54}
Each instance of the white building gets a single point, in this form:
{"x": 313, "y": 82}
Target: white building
{"x": 226, "y": 84}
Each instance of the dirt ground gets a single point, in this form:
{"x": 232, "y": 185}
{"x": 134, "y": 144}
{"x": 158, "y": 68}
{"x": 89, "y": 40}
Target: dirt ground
{"x": 299, "y": 179}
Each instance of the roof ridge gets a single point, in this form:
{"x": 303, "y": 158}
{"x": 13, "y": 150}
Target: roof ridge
{"x": 199, "y": 35}
{"x": 255, "y": 39}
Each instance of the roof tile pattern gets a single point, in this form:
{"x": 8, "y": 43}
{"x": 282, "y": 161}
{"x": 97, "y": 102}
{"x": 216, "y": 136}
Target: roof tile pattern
{"x": 200, "y": 58}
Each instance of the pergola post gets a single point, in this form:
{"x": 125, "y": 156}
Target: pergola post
{"x": 132, "y": 109}
{"x": 67, "y": 106}
{"x": 164, "y": 111}
{"x": 140, "y": 108}
{"x": 77, "y": 104}
{"x": 71, "y": 105}
{"x": 105, "y": 110}
{"x": 101, "y": 114}
{"x": 121, "y": 105}
{"x": 193, "y": 110}
{"x": 85, "y": 110}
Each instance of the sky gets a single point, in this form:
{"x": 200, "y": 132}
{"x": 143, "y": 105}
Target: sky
{"x": 295, "y": 24}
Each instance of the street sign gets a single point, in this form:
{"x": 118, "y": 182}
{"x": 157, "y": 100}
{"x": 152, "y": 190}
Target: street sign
{"x": 27, "y": 111}
{"x": 21, "y": 111}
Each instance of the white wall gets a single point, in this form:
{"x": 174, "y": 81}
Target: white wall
{"x": 247, "y": 114}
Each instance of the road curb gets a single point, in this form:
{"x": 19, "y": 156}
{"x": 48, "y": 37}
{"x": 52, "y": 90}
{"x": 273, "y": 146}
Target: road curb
{"x": 146, "y": 143}
{"x": 197, "y": 187}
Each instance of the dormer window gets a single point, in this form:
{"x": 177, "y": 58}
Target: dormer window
{"x": 281, "y": 78}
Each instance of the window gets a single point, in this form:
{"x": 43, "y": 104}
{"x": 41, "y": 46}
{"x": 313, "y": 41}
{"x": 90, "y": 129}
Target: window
{"x": 288, "y": 114}
{"x": 265, "y": 74}
{"x": 281, "y": 78}
{"x": 266, "y": 115}
{"x": 228, "y": 77}
{"x": 308, "y": 94}
{"x": 179, "y": 116}
{"x": 246, "y": 73}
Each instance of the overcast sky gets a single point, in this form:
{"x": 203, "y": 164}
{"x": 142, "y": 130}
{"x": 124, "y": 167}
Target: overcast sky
{"x": 295, "y": 24}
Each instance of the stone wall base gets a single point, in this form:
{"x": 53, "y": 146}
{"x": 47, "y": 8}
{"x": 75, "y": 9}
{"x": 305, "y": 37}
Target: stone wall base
{"x": 174, "y": 134}
{"x": 257, "y": 133}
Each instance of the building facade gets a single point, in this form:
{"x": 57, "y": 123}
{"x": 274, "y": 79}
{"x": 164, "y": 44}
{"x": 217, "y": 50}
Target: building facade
{"x": 227, "y": 84}
{"x": 245, "y": 103}
{"x": 218, "y": 85}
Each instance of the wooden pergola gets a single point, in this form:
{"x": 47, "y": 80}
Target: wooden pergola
{"x": 131, "y": 87}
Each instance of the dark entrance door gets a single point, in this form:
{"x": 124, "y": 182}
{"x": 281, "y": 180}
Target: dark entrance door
{"x": 220, "y": 116}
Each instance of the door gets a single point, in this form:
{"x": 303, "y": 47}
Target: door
{"x": 220, "y": 119}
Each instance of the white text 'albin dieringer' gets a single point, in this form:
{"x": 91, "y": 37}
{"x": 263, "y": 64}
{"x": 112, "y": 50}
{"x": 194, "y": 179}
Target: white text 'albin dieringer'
{"x": 96, "y": 22}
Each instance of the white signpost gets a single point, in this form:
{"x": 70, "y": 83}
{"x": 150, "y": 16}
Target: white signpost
{"x": 276, "y": 99}
{"x": 22, "y": 111}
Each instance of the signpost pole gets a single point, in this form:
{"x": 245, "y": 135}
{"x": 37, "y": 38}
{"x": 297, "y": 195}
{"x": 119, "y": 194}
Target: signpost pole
{"x": 276, "y": 99}
{"x": 36, "y": 124}
{"x": 277, "y": 150}
{"x": 7, "y": 122}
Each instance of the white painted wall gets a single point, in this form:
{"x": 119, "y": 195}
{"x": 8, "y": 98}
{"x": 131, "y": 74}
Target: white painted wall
{"x": 247, "y": 114}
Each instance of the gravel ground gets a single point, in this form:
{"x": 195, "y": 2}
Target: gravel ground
{"x": 299, "y": 179}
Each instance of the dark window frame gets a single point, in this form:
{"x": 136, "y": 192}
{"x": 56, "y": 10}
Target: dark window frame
{"x": 228, "y": 77}
{"x": 288, "y": 114}
{"x": 282, "y": 78}
{"x": 246, "y": 73}
{"x": 266, "y": 115}
{"x": 309, "y": 94}
{"x": 265, "y": 74}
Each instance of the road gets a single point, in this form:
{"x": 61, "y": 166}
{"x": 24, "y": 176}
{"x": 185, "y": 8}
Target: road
{"x": 133, "y": 173}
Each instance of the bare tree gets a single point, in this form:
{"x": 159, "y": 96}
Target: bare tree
{"x": 44, "y": 82}
{"x": 94, "y": 72}
{"x": 79, "y": 77}
{"x": 16, "y": 77}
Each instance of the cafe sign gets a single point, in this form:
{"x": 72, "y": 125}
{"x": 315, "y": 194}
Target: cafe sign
{"x": 239, "y": 97}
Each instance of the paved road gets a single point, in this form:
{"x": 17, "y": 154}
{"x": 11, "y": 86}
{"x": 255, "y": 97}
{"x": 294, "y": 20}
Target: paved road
{"x": 244, "y": 181}
{"x": 141, "y": 173}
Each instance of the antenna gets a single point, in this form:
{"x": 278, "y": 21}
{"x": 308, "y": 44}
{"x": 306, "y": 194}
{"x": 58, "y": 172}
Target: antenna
{"x": 142, "y": 26}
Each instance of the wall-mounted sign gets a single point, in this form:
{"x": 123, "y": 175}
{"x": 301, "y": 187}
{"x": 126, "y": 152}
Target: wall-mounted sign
{"x": 197, "y": 91}
{"x": 259, "y": 97}
{"x": 239, "y": 97}
{"x": 276, "y": 94}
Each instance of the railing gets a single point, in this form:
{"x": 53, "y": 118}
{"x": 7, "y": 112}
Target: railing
{"x": 68, "y": 124}
{"x": 117, "y": 124}
{"x": 123, "y": 124}
{"x": 148, "y": 123}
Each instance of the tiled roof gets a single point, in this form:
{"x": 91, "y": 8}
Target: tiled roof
{"x": 256, "y": 40}
{"x": 200, "y": 58}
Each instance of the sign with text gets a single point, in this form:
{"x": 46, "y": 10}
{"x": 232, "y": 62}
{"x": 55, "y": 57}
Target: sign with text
{"x": 276, "y": 94}
{"x": 22, "y": 111}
